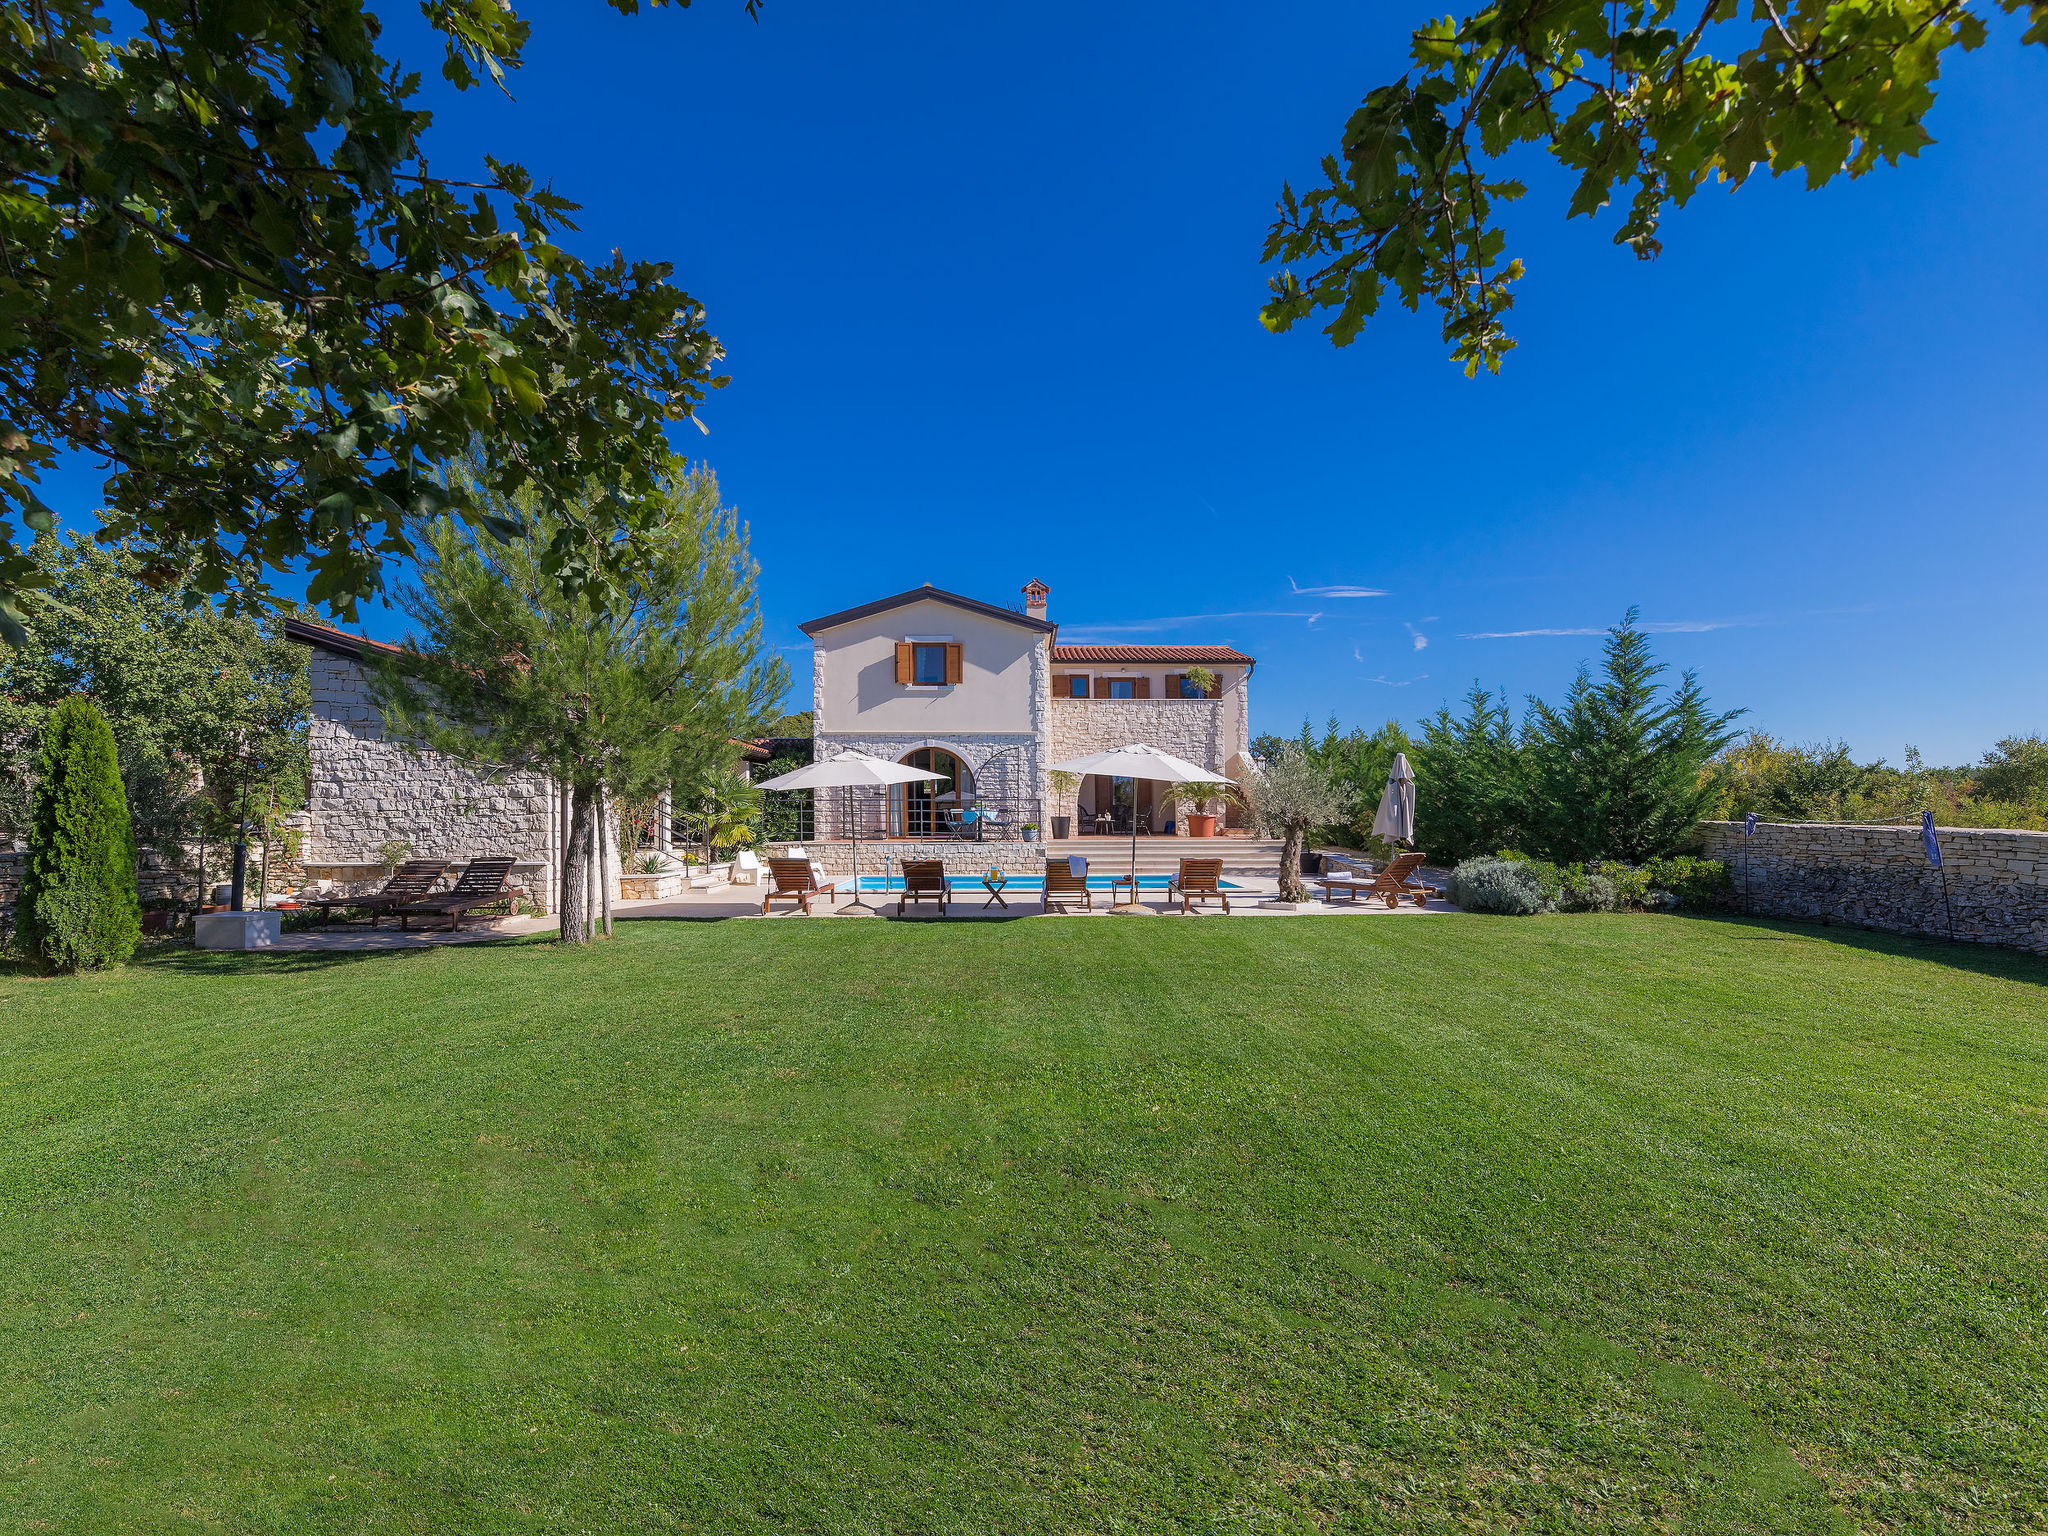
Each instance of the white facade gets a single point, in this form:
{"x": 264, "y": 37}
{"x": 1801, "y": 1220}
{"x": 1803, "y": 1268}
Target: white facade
{"x": 930, "y": 672}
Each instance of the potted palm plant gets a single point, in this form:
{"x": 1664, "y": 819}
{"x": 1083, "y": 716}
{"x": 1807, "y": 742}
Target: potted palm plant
{"x": 1201, "y": 819}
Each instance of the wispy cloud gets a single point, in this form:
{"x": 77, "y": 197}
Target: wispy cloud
{"x": 1661, "y": 627}
{"x": 1421, "y": 640}
{"x": 1397, "y": 682}
{"x": 1337, "y": 591}
{"x": 1078, "y": 633}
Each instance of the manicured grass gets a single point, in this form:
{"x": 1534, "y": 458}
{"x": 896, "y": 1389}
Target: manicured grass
{"x": 1546, "y": 1225}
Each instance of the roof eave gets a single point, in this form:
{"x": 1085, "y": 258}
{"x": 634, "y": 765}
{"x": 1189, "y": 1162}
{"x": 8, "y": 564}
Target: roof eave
{"x": 928, "y": 594}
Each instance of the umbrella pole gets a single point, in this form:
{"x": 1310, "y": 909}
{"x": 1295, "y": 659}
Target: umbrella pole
{"x": 857, "y": 902}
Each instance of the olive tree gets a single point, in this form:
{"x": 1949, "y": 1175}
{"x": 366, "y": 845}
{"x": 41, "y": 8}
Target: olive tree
{"x": 1288, "y": 797}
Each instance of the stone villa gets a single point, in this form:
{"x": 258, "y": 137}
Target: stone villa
{"x": 988, "y": 696}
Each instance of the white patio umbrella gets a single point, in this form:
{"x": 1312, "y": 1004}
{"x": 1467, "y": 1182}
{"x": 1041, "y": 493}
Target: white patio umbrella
{"x": 1139, "y": 761}
{"x": 1395, "y": 819}
{"x": 850, "y": 771}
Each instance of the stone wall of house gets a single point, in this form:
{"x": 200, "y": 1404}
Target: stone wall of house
{"x": 1008, "y": 768}
{"x": 367, "y": 791}
{"x": 1207, "y": 732}
{"x": 1878, "y": 877}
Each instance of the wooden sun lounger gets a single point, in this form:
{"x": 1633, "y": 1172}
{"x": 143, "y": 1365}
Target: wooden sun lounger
{"x": 1061, "y": 882}
{"x": 482, "y": 883}
{"x": 1201, "y": 880}
{"x": 796, "y": 880}
{"x": 414, "y": 880}
{"x": 923, "y": 880}
{"x": 1390, "y": 884}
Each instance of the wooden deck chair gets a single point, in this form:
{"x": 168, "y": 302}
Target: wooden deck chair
{"x": 923, "y": 880}
{"x": 482, "y": 883}
{"x": 1061, "y": 882}
{"x": 414, "y": 880}
{"x": 1201, "y": 880}
{"x": 796, "y": 880}
{"x": 1392, "y": 883}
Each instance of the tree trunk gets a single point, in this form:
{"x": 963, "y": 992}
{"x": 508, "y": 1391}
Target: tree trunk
{"x": 576, "y": 866}
{"x": 607, "y": 834}
{"x": 1291, "y": 886}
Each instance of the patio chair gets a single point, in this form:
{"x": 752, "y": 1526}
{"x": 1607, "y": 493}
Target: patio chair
{"x": 1200, "y": 880}
{"x": 746, "y": 868}
{"x": 971, "y": 825}
{"x": 1392, "y": 883}
{"x": 411, "y": 881}
{"x": 796, "y": 880}
{"x": 923, "y": 880}
{"x": 482, "y": 883}
{"x": 1061, "y": 881}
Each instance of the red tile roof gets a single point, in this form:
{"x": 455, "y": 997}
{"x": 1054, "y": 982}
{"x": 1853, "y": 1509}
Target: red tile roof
{"x": 1191, "y": 654}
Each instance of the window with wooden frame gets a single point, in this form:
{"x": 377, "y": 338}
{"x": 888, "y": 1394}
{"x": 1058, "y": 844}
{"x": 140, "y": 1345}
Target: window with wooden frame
{"x": 1178, "y": 687}
{"x": 928, "y": 663}
{"x": 1070, "y": 686}
{"x": 1123, "y": 687}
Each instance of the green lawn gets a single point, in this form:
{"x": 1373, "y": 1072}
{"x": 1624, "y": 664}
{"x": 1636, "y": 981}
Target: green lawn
{"x": 1557, "y": 1224}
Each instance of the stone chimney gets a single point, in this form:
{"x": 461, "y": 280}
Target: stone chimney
{"x": 1035, "y": 594}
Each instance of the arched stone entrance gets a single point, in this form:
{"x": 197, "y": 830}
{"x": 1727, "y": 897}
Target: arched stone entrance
{"x": 931, "y": 810}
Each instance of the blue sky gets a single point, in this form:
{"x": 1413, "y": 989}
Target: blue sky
{"x": 988, "y": 280}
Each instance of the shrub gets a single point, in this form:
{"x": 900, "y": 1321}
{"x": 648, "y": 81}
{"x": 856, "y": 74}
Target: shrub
{"x": 78, "y": 903}
{"x": 1515, "y": 885}
{"x": 1507, "y": 886}
{"x": 1581, "y": 889}
{"x": 1697, "y": 883}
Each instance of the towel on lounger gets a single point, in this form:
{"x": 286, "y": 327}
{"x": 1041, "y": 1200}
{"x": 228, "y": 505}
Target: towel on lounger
{"x": 1077, "y": 866}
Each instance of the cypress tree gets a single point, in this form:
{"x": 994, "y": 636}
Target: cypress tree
{"x": 78, "y": 907}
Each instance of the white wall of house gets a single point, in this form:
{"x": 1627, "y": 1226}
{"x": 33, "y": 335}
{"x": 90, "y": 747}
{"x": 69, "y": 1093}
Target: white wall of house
{"x": 855, "y": 692}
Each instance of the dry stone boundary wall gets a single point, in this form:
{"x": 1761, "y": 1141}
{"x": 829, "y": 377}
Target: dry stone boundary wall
{"x": 1878, "y": 877}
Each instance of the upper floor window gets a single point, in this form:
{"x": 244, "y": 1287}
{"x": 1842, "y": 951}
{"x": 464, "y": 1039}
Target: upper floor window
{"x": 927, "y": 663}
{"x": 1119, "y": 687}
{"x": 1189, "y": 689}
{"x": 1075, "y": 687}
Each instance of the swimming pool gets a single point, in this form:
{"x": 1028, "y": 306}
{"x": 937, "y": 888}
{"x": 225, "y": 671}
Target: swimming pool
{"x": 1030, "y": 884}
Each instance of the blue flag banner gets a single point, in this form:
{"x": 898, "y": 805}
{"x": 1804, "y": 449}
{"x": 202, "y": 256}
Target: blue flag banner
{"x": 1928, "y": 841}
{"x": 1749, "y": 825}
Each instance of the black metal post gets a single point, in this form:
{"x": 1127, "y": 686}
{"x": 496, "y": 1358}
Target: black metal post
{"x": 241, "y": 876}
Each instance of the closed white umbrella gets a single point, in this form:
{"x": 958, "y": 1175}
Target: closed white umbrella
{"x": 850, "y": 771}
{"x": 1139, "y": 761}
{"x": 1395, "y": 819}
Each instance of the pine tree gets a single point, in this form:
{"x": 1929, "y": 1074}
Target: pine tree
{"x": 613, "y": 699}
{"x": 1619, "y": 771}
{"x": 78, "y": 906}
{"x": 1468, "y": 781}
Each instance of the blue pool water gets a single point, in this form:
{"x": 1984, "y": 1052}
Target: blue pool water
{"x": 1030, "y": 884}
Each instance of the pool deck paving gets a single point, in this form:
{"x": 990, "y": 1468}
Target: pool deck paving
{"x": 1250, "y": 896}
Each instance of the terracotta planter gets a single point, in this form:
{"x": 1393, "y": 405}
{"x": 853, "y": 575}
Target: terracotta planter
{"x": 1201, "y": 826}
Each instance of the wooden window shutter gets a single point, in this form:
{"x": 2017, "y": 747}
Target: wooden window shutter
{"x": 953, "y": 668}
{"x": 903, "y": 663}
{"x": 1173, "y": 685}
{"x": 1142, "y": 690}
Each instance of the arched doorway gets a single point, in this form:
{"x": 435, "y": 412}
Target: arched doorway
{"x": 928, "y": 810}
